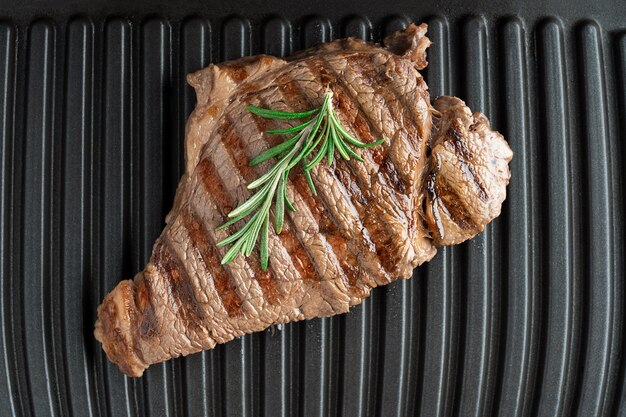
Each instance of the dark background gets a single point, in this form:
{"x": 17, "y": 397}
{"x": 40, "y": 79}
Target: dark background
{"x": 526, "y": 319}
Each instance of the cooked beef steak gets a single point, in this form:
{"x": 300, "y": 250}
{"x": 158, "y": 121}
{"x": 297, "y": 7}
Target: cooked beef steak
{"x": 440, "y": 176}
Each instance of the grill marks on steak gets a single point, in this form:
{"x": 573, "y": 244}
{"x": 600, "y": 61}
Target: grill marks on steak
{"x": 230, "y": 152}
{"x": 468, "y": 174}
{"x": 319, "y": 255}
{"x": 372, "y": 221}
{"x": 339, "y": 220}
{"x": 369, "y": 180}
{"x": 327, "y": 218}
{"x": 207, "y": 253}
{"x": 212, "y": 258}
{"x": 167, "y": 262}
{"x": 377, "y": 102}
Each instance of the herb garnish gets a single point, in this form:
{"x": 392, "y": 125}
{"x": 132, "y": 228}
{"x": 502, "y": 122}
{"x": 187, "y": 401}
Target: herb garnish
{"x": 320, "y": 136}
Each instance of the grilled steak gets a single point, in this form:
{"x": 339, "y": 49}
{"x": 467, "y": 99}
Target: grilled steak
{"x": 440, "y": 176}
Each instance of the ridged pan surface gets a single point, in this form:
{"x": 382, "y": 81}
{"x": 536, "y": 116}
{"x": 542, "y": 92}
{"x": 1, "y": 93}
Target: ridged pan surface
{"x": 526, "y": 319}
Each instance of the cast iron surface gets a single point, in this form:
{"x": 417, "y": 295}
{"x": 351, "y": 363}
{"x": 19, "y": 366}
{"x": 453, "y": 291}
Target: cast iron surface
{"x": 526, "y": 319}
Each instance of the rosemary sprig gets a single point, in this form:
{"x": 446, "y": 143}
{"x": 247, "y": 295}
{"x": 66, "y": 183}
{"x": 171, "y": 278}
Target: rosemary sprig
{"x": 320, "y": 136}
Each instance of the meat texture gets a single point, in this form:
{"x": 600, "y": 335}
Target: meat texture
{"x": 438, "y": 179}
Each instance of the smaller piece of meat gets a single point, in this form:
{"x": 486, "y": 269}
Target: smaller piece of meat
{"x": 468, "y": 175}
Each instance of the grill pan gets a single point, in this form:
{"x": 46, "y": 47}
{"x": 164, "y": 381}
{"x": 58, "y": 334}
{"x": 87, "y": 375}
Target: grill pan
{"x": 525, "y": 319}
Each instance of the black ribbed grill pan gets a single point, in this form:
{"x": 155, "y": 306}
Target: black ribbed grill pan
{"x": 526, "y": 319}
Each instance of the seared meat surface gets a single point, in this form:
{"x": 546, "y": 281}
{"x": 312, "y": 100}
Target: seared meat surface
{"x": 438, "y": 179}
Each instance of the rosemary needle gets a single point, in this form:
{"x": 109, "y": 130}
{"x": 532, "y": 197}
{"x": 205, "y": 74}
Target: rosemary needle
{"x": 322, "y": 135}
